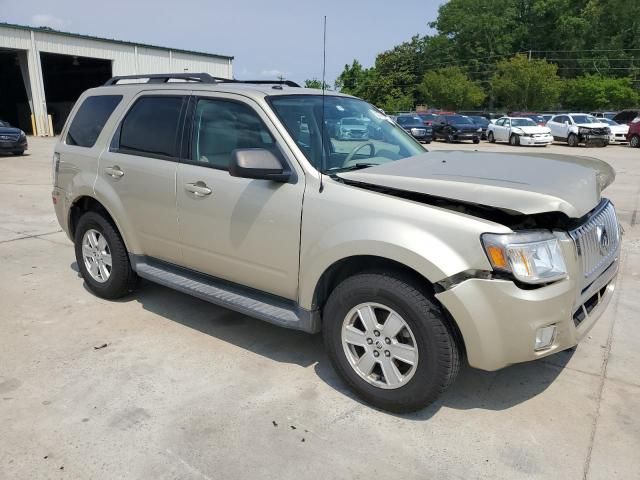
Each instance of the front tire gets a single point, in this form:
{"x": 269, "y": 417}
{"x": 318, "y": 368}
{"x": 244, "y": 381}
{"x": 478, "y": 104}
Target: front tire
{"x": 389, "y": 341}
{"x": 491, "y": 138}
{"x": 634, "y": 141}
{"x": 514, "y": 140}
{"x": 450, "y": 138}
{"x": 572, "y": 140}
{"x": 102, "y": 257}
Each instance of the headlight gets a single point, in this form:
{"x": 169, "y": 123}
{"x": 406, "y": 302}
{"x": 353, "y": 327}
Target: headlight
{"x": 418, "y": 131}
{"x": 607, "y": 129}
{"x": 584, "y": 131}
{"x": 22, "y": 134}
{"x": 532, "y": 257}
{"x": 479, "y": 130}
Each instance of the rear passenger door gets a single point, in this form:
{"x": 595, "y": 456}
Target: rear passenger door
{"x": 237, "y": 229}
{"x": 137, "y": 174}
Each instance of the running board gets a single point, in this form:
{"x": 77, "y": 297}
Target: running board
{"x": 264, "y": 306}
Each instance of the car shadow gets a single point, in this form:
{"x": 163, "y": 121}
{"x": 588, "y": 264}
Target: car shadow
{"x": 473, "y": 389}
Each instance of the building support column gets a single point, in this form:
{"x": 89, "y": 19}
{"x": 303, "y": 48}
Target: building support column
{"x": 35, "y": 89}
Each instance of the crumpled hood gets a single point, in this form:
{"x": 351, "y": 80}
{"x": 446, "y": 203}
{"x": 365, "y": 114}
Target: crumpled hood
{"x": 533, "y": 130}
{"x": 523, "y": 183}
{"x": 593, "y": 125}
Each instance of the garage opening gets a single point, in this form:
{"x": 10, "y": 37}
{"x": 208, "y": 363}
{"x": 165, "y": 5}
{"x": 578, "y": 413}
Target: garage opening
{"x": 14, "y": 107}
{"x": 65, "y": 78}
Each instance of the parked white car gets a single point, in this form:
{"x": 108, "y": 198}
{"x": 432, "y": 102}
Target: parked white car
{"x": 618, "y": 132}
{"x": 519, "y": 131}
{"x": 576, "y": 128}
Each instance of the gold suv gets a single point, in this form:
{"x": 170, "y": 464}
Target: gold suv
{"x": 246, "y": 194}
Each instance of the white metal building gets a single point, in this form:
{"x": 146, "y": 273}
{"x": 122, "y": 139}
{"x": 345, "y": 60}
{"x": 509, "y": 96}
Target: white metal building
{"x": 43, "y": 71}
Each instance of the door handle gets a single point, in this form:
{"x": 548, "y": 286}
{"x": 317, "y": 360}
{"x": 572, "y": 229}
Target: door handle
{"x": 199, "y": 189}
{"x": 114, "y": 171}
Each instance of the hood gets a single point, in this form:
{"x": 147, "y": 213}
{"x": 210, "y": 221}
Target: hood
{"x": 619, "y": 128}
{"x": 519, "y": 183}
{"x": 9, "y": 130}
{"x": 593, "y": 125}
{"x": 533, "y": 130}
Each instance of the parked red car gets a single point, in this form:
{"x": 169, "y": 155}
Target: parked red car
{"x": 633, "y": 137}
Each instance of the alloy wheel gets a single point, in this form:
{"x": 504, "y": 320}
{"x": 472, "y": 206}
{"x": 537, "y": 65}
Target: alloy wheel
{"x": 379, "y": 345}
{"x": 97, "y": 255}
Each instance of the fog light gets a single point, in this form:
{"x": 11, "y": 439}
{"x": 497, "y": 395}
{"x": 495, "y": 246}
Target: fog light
{"x": 544, "y": 337}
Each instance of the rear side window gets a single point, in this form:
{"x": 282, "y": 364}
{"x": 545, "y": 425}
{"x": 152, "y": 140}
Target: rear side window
{"x": 90, "y": 119}
{"x": 150, "y": 128}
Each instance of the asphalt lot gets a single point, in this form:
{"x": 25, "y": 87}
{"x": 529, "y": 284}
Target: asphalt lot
{"x": 185, "y": 389}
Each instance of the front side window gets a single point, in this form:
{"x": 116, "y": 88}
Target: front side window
{"x": 500, "y": 122}
{"x": 341, "y": 144}
{"x": 150, "y": 128}
{"x": 221, "y": 126}
{"x": 90, "y": 119}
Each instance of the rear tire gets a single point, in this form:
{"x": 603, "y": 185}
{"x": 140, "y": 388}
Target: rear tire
{"x": 121, "y": 279}
{"x": 572, "y": 140}
{"x": 437, "y": 357}
{"x": 634, "y": 141}
{"x": 476, "y": 140}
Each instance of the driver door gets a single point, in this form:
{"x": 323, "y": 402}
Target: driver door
{"x": 242, "y": 230}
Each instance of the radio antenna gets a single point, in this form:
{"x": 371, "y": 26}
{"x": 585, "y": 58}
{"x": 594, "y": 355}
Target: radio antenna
{"x": 324, "y": 65}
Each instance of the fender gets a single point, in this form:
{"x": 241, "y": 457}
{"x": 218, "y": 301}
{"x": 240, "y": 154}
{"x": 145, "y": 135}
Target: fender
{"x": 413, "y": 247}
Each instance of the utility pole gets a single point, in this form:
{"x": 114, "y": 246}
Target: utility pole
{"x": 529, "y": 55}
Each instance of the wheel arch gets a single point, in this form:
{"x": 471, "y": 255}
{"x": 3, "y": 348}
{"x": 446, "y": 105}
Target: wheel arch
{"x": 357, "y": 264}
{"x": 87, "y": 203}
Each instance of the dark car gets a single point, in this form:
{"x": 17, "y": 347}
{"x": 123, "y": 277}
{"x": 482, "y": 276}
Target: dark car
{"x": 633, "y": 137}
{"x": 456, "y": 127}
{"x": 625, "y": 117}
{"x": 481, "y": 122}
{"x": 12, "y": 139}
{"x": 428, "y": 118}
{"x": 416, "y": 127}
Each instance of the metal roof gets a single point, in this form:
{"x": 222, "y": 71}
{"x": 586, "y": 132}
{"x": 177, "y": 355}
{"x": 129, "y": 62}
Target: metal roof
{"x": 101, "y": 39}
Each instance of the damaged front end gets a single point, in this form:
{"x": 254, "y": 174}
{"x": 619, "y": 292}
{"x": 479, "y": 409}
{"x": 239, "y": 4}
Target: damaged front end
{"x": 594, "y": 136}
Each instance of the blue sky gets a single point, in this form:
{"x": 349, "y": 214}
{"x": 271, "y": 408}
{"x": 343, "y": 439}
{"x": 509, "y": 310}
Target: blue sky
{"x": 266, "y": 37}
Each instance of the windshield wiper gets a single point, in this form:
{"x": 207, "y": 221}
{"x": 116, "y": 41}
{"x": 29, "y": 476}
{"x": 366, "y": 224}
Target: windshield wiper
{"x": 355, "y": 166}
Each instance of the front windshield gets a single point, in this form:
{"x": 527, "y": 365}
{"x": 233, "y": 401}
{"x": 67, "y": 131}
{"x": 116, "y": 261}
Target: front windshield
{"x": 523, "y": 122}
{"x": 459, "y": 120}
{"x": 380, "y": 141}
{"x": 608, "y": 121}
{"x": 4, "y": 124}
{"x": 585, "y": 119}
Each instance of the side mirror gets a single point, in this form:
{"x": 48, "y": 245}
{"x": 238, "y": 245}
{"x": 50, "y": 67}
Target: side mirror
{"x": 258, "y": 163}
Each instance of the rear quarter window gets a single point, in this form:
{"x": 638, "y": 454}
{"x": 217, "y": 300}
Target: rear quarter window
{"x": 90, "y": 119}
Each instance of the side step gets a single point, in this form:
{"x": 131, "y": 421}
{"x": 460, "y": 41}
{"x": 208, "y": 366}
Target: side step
{"x": 263, "y": 306}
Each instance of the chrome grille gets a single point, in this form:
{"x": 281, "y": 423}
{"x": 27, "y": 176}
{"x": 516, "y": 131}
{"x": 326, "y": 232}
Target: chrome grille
{"x": 597, "y": 241}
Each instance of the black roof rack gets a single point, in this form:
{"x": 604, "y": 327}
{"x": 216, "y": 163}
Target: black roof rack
{"x": 194, "y": 77}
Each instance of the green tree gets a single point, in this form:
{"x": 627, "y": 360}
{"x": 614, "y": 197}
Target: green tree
{"x": 315, "y": 83}
{"x": 523, "y": 84}
{"x": 450, "y": 88}
{"x": 595, "y": 92}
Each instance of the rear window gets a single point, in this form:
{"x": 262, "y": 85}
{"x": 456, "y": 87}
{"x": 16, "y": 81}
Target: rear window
{"x": 90, "y": 119}
{"x": 150, "y": 128}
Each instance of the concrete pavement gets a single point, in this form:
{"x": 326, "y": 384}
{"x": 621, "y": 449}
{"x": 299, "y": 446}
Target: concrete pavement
{"x": 185, "y": 389}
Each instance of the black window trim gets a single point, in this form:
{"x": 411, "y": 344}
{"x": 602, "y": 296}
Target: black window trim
{"x": 114, "y": 145}
{"x": 66, "y": 128}
{"x": 187, "y": 135}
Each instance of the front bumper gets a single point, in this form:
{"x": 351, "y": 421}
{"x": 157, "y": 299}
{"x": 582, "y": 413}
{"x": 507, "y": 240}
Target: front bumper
{"x": 537, "y": 140}
{"x": 618, "y": 138}
{"x": 498, "y": 320}
{"x": 16, "y": 146}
